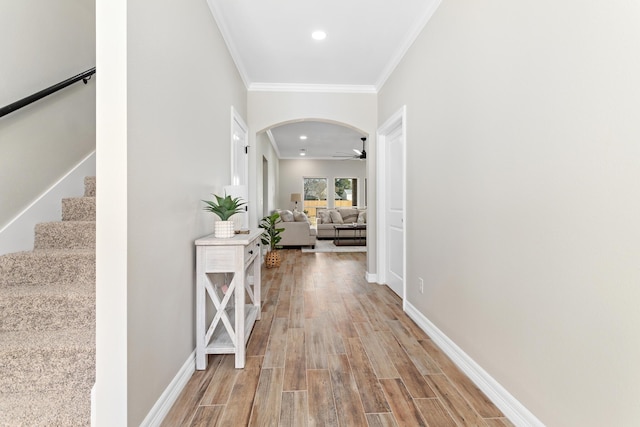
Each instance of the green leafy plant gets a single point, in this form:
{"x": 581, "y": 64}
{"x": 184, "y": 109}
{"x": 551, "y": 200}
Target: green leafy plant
{"x": 225, "y": 207}
{"x": 271, "y": 234}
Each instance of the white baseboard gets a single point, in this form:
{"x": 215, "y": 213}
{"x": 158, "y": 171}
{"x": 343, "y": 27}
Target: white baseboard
{"x": 509, "y": 405}
{"x": 18, "y": 234}
{"x": 160, "y": 410}
{"x": 371, "y": 277}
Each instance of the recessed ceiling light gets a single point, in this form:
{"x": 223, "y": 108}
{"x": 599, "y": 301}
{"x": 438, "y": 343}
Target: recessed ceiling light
{"x": 319, "y": 35}
{"x": 303, "y": 137}
{"x": 303, "y": 152}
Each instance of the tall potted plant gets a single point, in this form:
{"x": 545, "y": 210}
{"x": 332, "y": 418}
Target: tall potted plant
{"x": 270, "y": 238}
{"x": 225, "y": 207}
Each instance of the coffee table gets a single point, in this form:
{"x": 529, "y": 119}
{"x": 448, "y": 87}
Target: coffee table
{"x": 354, "y": 239}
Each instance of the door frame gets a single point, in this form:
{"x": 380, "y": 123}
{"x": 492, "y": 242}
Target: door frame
{"x": 397, "y": 120}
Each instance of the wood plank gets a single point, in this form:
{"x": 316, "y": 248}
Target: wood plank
{"x": 345, "y": 392}
{"x": 268, "y": 397}
{"x": 316, "y": 350}
{"x": 381, "y": 420}
{"x": 296, "y": 318}
{"x": 284, "y": 302}
{"x": 311, "y": 308}
{"x": 294, "y": 410}
{"x": 478, "y": 400}
{"x": 404, "y": 410}
{"x": 259, "y": 338}
{"x": 238, "y": 409}
{"x": 275, "y": 354}
{"x": 416, "y": 352}
{"x": 434, "y": 413}
{"x": 183, "y": 410}
{"x": 457, "y": 406}
{"x": 371, "y": 394}
{"x": 322, "y": 411}
{"x": 373, "y": 315}
{"x": 333, "y": 341}
{"x": 222, "y": 382}
{"x": 413, "y": 380}
{"x": 355, "y": 310}
{"x": 208, "y": 416}
{"x": 380, "y": 360}
{"x": 295, "y": 366}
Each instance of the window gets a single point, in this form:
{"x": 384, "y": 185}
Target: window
{"x": 346, "y": 192}
{"x": 315, "y": 195}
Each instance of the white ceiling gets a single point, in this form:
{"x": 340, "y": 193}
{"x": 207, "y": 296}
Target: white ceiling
{"x": 270, "y": 42}
{"x": 324, "y": 140}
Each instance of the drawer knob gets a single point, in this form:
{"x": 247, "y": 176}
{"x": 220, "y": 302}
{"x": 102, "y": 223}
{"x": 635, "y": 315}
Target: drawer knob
{"x": 251, "y": 252}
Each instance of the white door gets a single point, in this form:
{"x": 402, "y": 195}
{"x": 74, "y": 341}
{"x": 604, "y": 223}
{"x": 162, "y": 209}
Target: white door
{"x": 394, "y": 212}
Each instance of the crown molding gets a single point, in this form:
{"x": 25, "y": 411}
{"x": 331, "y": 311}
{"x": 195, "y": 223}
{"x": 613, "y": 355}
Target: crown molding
{"x": 316, "y": 88}
{"x": 411, "y": 37}
{"x": 233, "y": 51}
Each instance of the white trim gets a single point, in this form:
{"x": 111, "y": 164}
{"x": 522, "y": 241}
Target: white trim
{"x": 371, "y": 277}
{"x": 233, "y": 51}
{"x": 237, "y": 118}
{"x": 18, "y": 235}
{"x": 515, "y": 411}
{"x": 309, "y": 87}
{"x": 411, "y": 37}
{"x": 162, "y": 406}
{"x": 398, "y": 119}
{"x": 273, "y": 143}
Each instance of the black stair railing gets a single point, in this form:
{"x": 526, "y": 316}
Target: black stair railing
{"x": 46, "y": 92}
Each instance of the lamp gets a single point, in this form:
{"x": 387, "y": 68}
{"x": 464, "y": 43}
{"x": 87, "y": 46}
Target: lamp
{"x": 296, "y": 197}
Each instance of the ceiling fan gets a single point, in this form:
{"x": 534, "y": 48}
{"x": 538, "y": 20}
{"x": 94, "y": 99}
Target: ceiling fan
{"x": 360, "y": 154}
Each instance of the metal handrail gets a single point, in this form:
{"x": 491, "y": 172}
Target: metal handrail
{"x": 46, "y": 92}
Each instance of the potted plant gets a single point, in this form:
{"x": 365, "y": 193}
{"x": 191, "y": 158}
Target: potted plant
{"x": 270, "y": 238}
{"x": 225, "y": 207}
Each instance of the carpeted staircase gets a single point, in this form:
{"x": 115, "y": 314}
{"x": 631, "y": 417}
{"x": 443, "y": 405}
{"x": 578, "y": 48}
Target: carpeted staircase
{"x": 47, "y": 321}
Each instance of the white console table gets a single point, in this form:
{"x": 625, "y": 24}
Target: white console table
{"x": 233, "y": 319}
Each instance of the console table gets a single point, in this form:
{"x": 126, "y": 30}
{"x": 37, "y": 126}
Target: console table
{"x": 233, "y": 319}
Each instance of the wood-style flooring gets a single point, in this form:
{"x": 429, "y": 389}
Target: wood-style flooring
{"x": 332, "y": 350}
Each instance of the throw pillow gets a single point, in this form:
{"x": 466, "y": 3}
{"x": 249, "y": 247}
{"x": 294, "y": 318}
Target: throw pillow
{"x": 349, "y": 216}
{"x": 287, "y": 216}
{"x": 362, "y": 217}
{"x": 300, "y": 217}
{"x": 336, "y": 218}
{"x": 324, "y": 216}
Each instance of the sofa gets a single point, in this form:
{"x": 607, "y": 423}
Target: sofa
{"x": 327, "y": 218}
{"x": 298, "y": 230}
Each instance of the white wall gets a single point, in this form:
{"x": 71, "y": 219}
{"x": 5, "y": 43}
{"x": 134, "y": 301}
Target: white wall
{"x": 523, "y": 197}
{"x": 167, "y": 98}
{"x": 266, "y": 150}
{"x": 293, "y": 171}
{"x": 267, "y": 109}
{"x": 43, "y": 43}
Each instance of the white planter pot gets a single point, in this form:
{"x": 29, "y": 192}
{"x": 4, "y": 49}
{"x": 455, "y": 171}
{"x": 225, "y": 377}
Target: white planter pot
{"x": 224, "y": 229}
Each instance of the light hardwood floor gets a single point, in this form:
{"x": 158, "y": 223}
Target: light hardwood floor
{"x": 332, "y": 350}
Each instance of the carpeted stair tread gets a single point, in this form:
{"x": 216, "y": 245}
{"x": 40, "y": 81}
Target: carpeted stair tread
{"x": 90, "y": 186}
{"x": 65, "y": 235}
{"x": 79, "y": 209}
{"x": 46, "y": 361}
{"x": 70, "y": 408}
{"x": 48, "y": 266}
{"x": 46, "y": 307}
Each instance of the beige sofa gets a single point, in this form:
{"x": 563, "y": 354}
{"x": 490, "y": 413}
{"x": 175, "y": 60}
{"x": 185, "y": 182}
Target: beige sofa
{"x": 327, "y": 218}
{"x": 297, "y": 229}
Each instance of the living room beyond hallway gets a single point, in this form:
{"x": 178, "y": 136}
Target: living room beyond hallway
{"x": 332, "y": 349}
